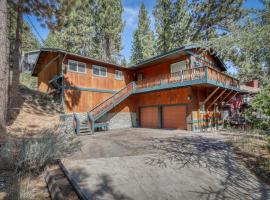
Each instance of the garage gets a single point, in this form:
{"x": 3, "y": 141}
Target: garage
{"x": 164, "y": 116}
{"x": 174, "y": 117}
{"x": 149, "y": 117}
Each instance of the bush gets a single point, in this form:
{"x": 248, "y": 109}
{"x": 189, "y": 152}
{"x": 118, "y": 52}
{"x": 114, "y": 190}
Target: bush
{"x": 28, "y": 80}
{"x": 32, "y": 155}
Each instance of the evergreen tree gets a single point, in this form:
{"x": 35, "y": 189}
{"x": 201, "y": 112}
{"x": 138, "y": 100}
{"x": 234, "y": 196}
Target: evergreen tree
{"x": 108, "y": 26}
{"x": 4, "y": 65}
{"x": 54, "y": 40}
{"x": 77, "y": 36}
{"x": 51, "y": 14}
{"x": 163, "y": 13}
{"x": 28, "y": 39}
{"x": 143, "y": 38}
{"x": 124, "y": 62}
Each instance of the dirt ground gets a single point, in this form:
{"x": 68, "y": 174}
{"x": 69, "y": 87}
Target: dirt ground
{"x": 36, "y": 114}
{"x": 162, "y": 164}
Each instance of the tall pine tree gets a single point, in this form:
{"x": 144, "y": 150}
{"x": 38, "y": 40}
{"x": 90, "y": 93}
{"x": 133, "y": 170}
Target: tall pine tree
{"x": 143, "y": 38}
{"x": 163, "y": 13}
{"x": 108, "y": 26}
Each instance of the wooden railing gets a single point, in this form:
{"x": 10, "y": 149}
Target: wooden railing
{"x": 199, "y": 73}
{"x": 112, "y": 101}
{"x": 221, "y": 77}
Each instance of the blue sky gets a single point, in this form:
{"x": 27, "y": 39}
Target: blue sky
{"x": 130, "y": 16}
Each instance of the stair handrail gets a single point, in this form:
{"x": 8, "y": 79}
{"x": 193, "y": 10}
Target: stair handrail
{"x": 77, "y": 121}
{"x": 98, "y": 105}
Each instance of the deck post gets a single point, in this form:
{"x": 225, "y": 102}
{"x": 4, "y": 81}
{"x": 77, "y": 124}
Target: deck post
{"x": 213, "y": 102}
{"x": 205, "y": 73}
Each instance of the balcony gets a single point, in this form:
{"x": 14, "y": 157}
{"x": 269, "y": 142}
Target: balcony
{"x": 194, "y": 76}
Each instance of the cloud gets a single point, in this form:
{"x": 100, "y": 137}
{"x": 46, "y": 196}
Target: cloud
{"x": 130, "y": 16}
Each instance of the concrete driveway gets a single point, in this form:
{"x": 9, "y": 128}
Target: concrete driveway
{"x": 161, "y": 164}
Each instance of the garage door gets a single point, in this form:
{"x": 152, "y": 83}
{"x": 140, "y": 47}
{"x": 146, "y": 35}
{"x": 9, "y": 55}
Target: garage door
{"x": 149, "y": 117}
{"x": 174, "y": 117}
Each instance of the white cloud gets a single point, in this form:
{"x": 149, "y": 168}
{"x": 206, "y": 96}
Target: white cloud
{"x": 130, "y": 16}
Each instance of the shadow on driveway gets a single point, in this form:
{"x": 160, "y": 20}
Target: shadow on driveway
{"x": 217, "y": 157}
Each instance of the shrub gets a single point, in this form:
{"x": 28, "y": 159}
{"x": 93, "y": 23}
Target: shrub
{"x": 32, "y": 155}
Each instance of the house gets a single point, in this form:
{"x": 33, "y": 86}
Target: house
{"x": 235, "y": 109}
{"x": 181, "y": 89}
{"x": 28, "y": 60}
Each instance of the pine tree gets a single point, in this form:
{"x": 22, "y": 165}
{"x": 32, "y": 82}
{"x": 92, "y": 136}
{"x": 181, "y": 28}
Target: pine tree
{"x": 77, "y": 36}
{"x": 109, "y": 26}
{"x": 29, "y": 40}
{"x": 124, "y": 62}
{"x": 182, "y": 22}
{"x": 51, "y": 14}
{"x": 163, "y": 13}
{"x": 4, "y": 65}
{"x": 143, "y": 38}
{"x": 54, "y": 40}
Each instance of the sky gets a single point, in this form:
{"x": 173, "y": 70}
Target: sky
{"x": 130, "y": 16}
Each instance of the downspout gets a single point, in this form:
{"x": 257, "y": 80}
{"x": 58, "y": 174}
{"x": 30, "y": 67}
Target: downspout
{"x": 63, "y": 84}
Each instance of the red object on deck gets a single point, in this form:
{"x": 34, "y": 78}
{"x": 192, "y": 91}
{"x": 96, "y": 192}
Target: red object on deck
{"x": 253, "y": 83}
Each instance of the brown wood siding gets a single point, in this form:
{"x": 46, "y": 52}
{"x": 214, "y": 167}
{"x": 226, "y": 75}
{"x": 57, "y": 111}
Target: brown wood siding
{"x": 88, "y": 80}
{"x": 46, "y": 74}
{"x": 149, "y": 117}
{"x": 82, "y": 101}
{"x": 159, "y": 69}
{"x": 174, "y": 117}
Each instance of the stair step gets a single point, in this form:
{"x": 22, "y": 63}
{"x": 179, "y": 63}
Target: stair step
{"x": 85, "y": 131}
{"x": 84, "y": 128}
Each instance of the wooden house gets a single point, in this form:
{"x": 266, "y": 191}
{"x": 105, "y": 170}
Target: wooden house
{"x": 181, "y": 89}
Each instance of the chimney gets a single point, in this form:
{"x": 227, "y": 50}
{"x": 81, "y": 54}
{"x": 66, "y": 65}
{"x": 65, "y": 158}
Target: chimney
{"x": 253, "y": 83}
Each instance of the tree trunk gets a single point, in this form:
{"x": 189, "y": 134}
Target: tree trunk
{"x": 4, "y": 64}
{"x": 15, "y": 70}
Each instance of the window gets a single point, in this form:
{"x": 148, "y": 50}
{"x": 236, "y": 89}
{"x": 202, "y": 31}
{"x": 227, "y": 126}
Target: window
{"x": 99, "y": 71}
{"x": 76, "y": 66}
{"x": 178, "y": 66}
{"x": 118, "y": 75}
{"x": 195, "y": 63}
{"x": 139, "y": 77}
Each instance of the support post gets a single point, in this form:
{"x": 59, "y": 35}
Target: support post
{"x": 227, "y": 95}
{"x": 232, "y": 97}
{"x": 213, "y": 102}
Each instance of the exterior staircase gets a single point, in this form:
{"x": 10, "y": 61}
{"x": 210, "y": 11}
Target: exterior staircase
{"x": 89, "y": 124}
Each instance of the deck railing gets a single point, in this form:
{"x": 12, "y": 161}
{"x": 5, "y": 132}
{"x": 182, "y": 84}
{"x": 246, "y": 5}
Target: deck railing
{"x": 198, "y": 73}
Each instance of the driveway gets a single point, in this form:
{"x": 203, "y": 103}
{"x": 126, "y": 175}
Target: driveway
{"x": 161, "y": 164}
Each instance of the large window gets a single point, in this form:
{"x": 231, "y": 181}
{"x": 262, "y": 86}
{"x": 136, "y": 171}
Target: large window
{"x": 75, "y": 66}
{"x": 99, "y": 71}
{"x": 178, "y": 66}
{"x": 118, "y": 75}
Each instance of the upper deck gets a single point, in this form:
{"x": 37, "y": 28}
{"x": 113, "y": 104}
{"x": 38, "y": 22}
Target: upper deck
{"x": 188, "y": 77}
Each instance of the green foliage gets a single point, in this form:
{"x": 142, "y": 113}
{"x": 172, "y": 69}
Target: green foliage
{"x": 108, "y": 25}
{"x": 54, "y": 40}
{"x": 92, "y": 29}
{"x": 143, "y": 38}
{"x": 261, "y": 104}
{"x": 247, "y": 46}
{"x": 29, "y": 40}
{"x": 184, "y": 21}
{"x": 28, "y": 80}
{"x": 163, "y": 13}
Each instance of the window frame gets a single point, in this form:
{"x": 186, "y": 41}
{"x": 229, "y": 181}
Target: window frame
{"x": 180, "y": 68}
{"x": 77, "y": 66}
{"x": 121, "y": 72}
{"x": 99, "y": 68}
